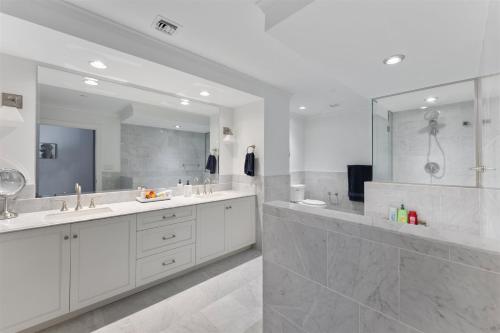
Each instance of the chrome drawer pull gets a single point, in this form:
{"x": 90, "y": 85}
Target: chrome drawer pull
{"x": 169, "y": 237}
{"x": 165, "y": 263}
{"x": 167, "y": 217}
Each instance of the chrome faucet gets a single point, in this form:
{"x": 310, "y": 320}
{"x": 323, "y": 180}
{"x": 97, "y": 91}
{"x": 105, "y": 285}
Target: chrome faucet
{"x": 78, "y": 190}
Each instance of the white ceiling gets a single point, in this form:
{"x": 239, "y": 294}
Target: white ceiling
{"x": 449, "y": 94}
{"x": 230, "y": 32}
{"x": 67, "y": 80}
{"x": 27, "y": 40}
{"x": 318, "y": 49}
{"x": 442, "y": 41}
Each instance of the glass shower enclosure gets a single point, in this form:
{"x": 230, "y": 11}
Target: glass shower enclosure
{"x": 447, "y": 134}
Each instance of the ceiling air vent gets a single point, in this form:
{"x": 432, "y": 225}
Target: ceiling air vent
{"x": 166, "y": 26}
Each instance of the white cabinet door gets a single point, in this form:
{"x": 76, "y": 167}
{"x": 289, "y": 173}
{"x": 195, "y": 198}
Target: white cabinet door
{"x": 102, "y": 259}
{"x": 34, "y": 276}
{"x": 210, "y": 231}
{"x": 240, "y": 223}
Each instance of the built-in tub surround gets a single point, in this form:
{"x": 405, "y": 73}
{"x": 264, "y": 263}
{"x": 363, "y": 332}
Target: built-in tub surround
{"x": 468, "y": 210}
{"x": 330, "y": 271}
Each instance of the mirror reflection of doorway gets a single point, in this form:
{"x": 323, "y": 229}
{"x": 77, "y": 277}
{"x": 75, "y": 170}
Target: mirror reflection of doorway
{"x": 65, "y": 156}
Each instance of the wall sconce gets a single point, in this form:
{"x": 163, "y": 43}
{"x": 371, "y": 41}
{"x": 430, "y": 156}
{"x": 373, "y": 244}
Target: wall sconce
{"x": 228, "y": 135}
{"x": 9, "y": 111}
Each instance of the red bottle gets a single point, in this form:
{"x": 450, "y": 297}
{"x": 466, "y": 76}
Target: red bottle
{"x": 412, "y": 217}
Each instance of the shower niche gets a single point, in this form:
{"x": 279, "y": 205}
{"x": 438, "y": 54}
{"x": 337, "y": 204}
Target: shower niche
{"x": 444, "y": 135}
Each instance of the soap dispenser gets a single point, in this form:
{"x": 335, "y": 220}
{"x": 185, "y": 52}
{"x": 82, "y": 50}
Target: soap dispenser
{"x": 402, "y": 214}
{"x": 188, "y": 190}
{"x": 180, "y": 188}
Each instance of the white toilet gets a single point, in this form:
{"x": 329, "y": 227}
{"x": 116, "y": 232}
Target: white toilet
{"x": 297, "y": 192}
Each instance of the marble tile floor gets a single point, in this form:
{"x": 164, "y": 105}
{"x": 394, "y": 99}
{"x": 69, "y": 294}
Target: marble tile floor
{"x": 223, "y": 297}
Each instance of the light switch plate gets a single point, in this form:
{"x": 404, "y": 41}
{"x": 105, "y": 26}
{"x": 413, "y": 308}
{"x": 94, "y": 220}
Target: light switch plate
{"x": 12, "y": 100}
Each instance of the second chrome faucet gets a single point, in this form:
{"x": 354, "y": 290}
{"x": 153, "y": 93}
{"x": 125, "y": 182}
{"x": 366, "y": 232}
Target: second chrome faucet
{"x": 78, "y": 191}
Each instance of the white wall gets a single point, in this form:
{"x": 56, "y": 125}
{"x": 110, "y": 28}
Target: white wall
{"x": 297, "y": 143}
{"x": 18, "y": 146}
{"x": 334, "y": 140}
{"x": 248, "y": 127}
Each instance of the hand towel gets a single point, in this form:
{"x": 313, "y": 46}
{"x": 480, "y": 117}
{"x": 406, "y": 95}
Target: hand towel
{"x": 357, "y": 175}
{"x": 249, "y": 168}
{"x": 211, "y": 164}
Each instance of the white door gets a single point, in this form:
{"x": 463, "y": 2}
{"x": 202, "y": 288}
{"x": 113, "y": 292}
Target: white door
{"x": 210, "y": 231}
{"x": 34, "y": 276}
{"x": 102, "y": 259}
{"x": 240, "y": 223}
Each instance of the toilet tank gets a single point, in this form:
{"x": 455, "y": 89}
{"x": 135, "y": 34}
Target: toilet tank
{"x": 297, "y": 192}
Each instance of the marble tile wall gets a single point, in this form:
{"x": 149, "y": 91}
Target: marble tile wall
{"x": 161, "y": 164}
{"x": 464, "y": 209}
{"x": 410, "y": 141}
{"x": 326, "y": 274}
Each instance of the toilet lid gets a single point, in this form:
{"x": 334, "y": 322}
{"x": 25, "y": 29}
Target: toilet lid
{"x": 314, "y": 202}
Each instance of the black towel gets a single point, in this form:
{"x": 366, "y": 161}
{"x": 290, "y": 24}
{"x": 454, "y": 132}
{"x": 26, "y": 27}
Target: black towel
{"x": 211, "y": 164}
{"x": 250, "y": 164}
{"x": 357, "y": 175}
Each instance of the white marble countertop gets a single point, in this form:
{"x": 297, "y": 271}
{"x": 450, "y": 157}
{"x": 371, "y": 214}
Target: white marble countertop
{"x": 38, "y": 219}
{"x": 451, "y": 237}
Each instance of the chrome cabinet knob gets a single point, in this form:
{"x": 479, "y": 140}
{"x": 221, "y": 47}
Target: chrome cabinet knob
{"x": 66, "y": 237}
{"x": 75, "y": 236}
{"x": 169, "y": 237}
{"x": 165, "y": 263}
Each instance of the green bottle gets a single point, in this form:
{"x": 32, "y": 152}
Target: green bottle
{"x": 402, "y": 214}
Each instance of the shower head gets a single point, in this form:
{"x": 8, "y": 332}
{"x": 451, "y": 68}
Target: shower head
{"x": 432, "y": 115}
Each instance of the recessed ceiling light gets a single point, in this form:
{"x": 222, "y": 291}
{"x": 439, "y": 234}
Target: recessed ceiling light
{"x": 177, "y": 126}
{"x": 424, "y": 107}
{"x": 431, "y": 99}
{"x": 185, "y": 101}
{"x": 204, "y": 93}
{"x": 91, "y": 81}
{"x": 395, "y": 59}
{"x": 98, "y": 64}
{"x": 302, "y": 107}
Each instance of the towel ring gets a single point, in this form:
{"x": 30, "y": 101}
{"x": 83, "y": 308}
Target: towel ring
{"x": 251, "y": 146}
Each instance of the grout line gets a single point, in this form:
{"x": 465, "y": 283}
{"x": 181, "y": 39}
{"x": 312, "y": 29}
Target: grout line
{"x": 332, "y": 290}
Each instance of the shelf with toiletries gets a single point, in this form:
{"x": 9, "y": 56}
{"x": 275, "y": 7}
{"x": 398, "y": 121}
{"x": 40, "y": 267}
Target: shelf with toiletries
{"x": 405, "y": 216}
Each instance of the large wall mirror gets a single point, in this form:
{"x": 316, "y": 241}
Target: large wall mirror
{"x": 445, "y": 135}
{"x": 108, "y": 136}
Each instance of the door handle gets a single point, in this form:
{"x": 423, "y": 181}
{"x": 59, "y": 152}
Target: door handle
{"x": 482, "y": 168}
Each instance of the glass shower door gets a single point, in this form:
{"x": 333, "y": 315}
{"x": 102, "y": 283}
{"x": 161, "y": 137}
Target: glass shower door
{"x": 489, "y": 131}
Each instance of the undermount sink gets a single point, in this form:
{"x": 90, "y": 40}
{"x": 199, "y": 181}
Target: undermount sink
{"x": 77, "y": 213}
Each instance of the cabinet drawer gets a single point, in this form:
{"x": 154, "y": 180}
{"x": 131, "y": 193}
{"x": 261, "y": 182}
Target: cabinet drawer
{"x": 165, "y": 217}
{"x": 164, "y": 264}
{"x": 156, "y": 240}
